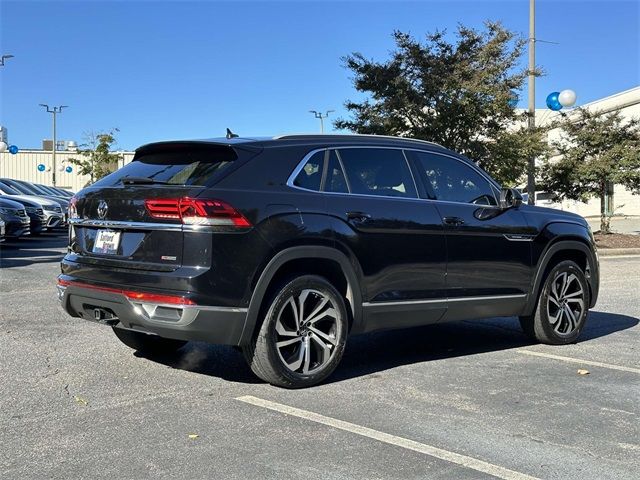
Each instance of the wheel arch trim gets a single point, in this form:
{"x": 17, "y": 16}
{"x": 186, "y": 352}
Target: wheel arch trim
{"x": 558, "y": 246}
{"x": 298, "y": 253}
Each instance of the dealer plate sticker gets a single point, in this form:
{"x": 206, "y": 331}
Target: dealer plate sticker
{"x": 107, "y": 242}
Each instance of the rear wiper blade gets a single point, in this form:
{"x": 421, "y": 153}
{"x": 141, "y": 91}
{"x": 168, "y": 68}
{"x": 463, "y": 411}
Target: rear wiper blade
{"x": 141, "y": 181}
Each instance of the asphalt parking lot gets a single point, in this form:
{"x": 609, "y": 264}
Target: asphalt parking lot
{"x": 467, "y": 400}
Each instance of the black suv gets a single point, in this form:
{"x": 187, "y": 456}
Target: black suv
{"x": 284, "y": 246}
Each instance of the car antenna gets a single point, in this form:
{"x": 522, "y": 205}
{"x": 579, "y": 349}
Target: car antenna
{"x": 231, "y": 135}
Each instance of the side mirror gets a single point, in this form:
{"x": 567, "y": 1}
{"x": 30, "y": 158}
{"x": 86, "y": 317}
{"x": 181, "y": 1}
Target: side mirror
{"x": 510, "y": 197}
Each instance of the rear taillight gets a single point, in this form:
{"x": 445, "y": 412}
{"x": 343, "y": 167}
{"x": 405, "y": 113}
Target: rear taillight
{"x": 169, "y": 208}
{"x": 196, "y": 211}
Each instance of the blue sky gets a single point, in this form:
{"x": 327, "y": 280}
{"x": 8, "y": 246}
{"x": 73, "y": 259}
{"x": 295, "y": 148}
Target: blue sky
{"x": 159, "y": 70}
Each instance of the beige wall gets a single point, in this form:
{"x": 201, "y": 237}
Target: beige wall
{"x": 24, "y": 166}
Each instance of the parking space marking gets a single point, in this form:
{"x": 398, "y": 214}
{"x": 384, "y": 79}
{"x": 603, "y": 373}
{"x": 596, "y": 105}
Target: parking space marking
{"x": 580, "y": 361}
{"x": 452, "y": 457}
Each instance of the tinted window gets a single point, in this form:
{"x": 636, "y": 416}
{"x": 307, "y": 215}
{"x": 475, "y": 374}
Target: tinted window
{"x": 453, "y": 181}
{"x": 377, "y": 171}
{"x": 335, "y": 181}
{"x": 311, "y": 174}
{"x": 175, "y": 167}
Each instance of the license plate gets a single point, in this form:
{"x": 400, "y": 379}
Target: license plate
{"x": 107, "y": 242}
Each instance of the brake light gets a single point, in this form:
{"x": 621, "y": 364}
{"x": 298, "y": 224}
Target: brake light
{"x": 131, "y": 295}
{"x": 196, "y": 211}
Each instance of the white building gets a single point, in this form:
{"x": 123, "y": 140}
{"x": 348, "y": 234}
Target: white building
{"x": 24, "y": 166}
{"x": 622, "y": 201}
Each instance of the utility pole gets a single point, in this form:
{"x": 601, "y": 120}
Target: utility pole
{"x": 321, "y": 117}
{"x": 3, "y": 58}
{"x": 54, "y": 111}
{"x": 531, "y": 170}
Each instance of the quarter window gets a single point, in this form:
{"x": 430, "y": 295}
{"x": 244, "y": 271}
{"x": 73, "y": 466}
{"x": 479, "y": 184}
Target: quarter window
{"x": 311, "y": 174}
{"x": 453, "y": 181}
{"x": 377, "y": 171}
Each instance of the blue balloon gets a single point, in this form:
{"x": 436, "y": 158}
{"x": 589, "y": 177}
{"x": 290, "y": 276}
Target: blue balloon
{"x": 41, "y": 167}
{"x": 68, "y": 169}
{"x": 553, "y": 102}
{"x": 13, "y": 149}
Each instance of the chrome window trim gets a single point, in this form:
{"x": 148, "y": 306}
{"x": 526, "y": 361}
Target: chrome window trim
{"x": 299, "y": 167}
{"x": 444, "y": 300}
{"x": 492, "y": 183}
{"x": 306, "y": 158}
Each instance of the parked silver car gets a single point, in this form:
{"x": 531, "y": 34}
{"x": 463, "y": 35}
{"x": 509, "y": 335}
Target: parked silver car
{"x": 52, "y": 214}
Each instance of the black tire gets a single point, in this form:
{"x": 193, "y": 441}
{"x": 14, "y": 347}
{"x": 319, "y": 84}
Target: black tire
{"x": 318, "y": 343}
{"x": 146, "y": 343}
{"x": 552, "y": 323}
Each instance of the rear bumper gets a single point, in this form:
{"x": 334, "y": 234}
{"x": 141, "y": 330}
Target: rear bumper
{"x": 103, "y": 304}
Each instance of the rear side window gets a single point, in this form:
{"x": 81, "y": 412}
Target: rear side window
{"x": 185, "y": 166}
{"x": 453, "y": 181}
{"x": 378, "y": 171}
{"x": 310, "y": 176}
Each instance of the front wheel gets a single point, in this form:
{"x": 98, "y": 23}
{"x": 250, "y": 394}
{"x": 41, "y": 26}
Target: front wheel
{"x": 303, "y": 334}
{"x": 561, "y": 312}
{"x": 143, "y": 342}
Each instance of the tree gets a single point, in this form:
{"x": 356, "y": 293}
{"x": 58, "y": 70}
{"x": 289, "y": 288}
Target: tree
{"x": 97, "y": 160}
{"x": 456, "y": 94}
{"x": 595, "y": 150}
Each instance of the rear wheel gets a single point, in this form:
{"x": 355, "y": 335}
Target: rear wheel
{"x": 303, "y": 334}
{"x": 146, "y": 343}
{"x": 561, "y": 312}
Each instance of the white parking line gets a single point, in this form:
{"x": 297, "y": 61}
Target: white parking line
{"x": 580, "y": 361}
{"x": 458, "y": 459}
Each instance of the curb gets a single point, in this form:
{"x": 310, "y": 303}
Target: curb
{"x": 614, "y": 252}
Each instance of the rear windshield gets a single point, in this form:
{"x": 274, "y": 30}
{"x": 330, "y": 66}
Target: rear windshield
{"x": 176, "y": 167}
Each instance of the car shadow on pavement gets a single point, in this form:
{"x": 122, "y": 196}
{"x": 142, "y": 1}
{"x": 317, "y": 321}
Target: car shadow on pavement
{"x": 219, "y": 361}
{"x": 45, "y": 248}
{"x": 379, "y": 351}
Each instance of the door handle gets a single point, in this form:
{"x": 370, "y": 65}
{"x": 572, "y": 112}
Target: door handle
{"x": 358, "y": 216}
{"x": 453, "y": 221}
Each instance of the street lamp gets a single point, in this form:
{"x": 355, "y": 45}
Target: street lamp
{"x": 321, "y": 117}
{"x": 54, "y": 111}
{"x": 3, "y": 58}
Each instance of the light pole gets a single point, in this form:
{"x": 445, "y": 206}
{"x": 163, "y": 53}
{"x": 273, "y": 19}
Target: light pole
{"x": 54, "y": 111}
{"x": 321, "y": 117}
{"x": 531, "y": 170}
{"x": 3, "y": 58}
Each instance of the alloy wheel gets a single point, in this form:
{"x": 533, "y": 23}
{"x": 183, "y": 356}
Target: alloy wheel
{"x": 306, "y": 331}
{"x": 566, "y": 303}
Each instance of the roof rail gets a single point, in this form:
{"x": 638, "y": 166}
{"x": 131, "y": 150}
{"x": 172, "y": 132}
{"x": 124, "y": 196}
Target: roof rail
{"x": 324, "y": 135}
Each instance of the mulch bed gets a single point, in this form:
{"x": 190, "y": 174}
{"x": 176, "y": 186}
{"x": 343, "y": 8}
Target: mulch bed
{"x": 617, "y": 240}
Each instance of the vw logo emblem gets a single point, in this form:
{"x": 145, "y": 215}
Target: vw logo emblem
{"x": 102, "y": 209}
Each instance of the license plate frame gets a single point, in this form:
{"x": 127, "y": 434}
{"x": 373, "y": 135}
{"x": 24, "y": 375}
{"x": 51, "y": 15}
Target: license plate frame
{"x": 106, "y": 242}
